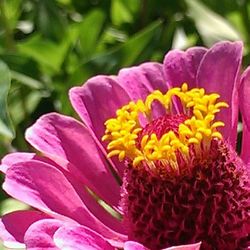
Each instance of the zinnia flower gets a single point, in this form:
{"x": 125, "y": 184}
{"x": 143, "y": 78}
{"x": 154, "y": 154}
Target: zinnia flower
{"x": 152, "y": 166}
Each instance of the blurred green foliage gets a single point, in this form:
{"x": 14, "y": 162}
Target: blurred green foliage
{"x": 48, "y": 46}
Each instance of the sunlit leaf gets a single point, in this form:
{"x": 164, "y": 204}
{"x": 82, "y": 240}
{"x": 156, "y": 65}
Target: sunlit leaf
{"x": 89, "y": 32}
{"x": 181, "y": 40}
{"x": 47, "y": 53}
{"x": 6, "y": 129}
{"x": 11, "y": 205}
{"x": 211, "y": 26}
{"x": 120, "y": 12}
{"x": 12, "y": 11}
{"x": 235, "y": 18}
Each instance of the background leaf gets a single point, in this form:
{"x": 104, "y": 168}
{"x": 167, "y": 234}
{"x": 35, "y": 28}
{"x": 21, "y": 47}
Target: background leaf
{"x": 6, "y": 129}
{"x": 121, "y": 56}
{"x": 211, "y": 26}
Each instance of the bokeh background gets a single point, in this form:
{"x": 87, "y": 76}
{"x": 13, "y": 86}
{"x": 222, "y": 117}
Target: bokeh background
{"x": 48, "y": 46}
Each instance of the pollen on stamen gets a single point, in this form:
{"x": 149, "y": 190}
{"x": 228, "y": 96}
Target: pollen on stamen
{"x": 197, "y": 128}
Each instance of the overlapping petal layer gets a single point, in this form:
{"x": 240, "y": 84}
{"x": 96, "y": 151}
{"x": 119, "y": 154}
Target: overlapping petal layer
{"x": 74, "y": 157}
{"x": 14, "y": 225}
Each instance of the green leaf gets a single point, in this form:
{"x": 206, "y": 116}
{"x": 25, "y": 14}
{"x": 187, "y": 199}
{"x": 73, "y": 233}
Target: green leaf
{"x": 10, "y": 205}
{"x": 89, "y": 32}
{"x": 26, "y": 80}
{"x": 12, "y": 11}
{"x": 181, "y": 40}
{"x": 31, "y": 101}
{"x": 122, "y": 56}
{"x": 48, "y": 54}
{"x": 6, "y": 129}
{"x": 211, "y": 26}
{"x": 50, "y": 20}
{"x": 120, "y": 13}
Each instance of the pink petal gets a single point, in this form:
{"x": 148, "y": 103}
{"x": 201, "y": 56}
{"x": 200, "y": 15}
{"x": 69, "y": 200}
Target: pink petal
{"x": 80, "y": 238}
{"x": 63, "y": 137}
{"x": 13, "y": 158}
{"x": 16, "y": 157}
{"x": 132, "y": 245}
{"x": 219, "y": 72}
{"x": 245, "y": 112}
{"x": 182, "y": 66}
{"x": 39, "y": 236}
{"x": 195, "y": 246}
{"x": 96, "y": 209}
{"x": 50, "y": 191}
{"x": 139, "y": 81}
{"x": 97, "y": 100}
{"x": 13, "y": 235}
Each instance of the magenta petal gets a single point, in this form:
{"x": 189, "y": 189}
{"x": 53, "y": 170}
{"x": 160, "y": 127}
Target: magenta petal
{"x": 182, "y": 66}
{"x": 245, "y": 112}
{"x": 195, "y": 246}
{"x": 219, "y": 72}
{"x": 139, "y": 81}
{"x": 97, "y": 100}
{"x": 80, "y": 238}
{"x": 13, "y": 235}
{"x": 63, "y": 137}
{"x": 40, "y": 235}
{"x": 13, "y": 158}
{"x": 132, "y": 245}
{"x": 16, "y": 157}
{"x": 49, "y": 191}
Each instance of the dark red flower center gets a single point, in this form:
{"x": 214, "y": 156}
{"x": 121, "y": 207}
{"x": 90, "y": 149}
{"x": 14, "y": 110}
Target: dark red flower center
{"x": 209, "y": 203}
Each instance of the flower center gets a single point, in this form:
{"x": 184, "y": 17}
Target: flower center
{"x": 166, "y": 140}
{"x": 182, "y": 183}
{"x": 160, "y": 127}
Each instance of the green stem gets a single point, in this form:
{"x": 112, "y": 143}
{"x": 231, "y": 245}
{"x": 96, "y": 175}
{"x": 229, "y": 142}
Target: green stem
{"x": 10, "y": 45}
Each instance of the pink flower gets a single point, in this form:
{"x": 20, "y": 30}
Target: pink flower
{"x": 75, "y": 189}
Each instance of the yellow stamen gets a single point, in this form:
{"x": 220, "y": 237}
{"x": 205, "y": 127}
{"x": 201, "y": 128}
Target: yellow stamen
{"x": 122, "y": 132}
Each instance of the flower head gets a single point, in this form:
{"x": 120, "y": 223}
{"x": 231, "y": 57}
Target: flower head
{"x": 182, "y": 183}
{"x": 166, "y": 134}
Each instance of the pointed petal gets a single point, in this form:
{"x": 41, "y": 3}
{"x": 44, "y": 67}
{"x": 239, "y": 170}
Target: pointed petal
{"x": 80, "y": 238}
{"x": 219, "y": 72}
{"x": 59, "y": 136}
{"x": 182, "y": 66}
{"x": 49, "y": 190}
{"x": 39, "y": 236}
{"x": 245, "y": 112}
{"x": 11, "y": 235}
